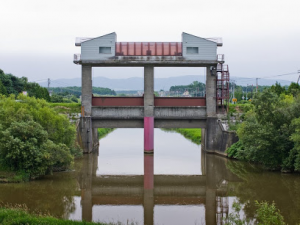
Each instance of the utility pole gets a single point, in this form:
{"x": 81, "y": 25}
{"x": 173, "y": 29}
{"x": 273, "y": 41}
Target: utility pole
{"x": 233, "y": 84}
{"x": 298, "y": 77}
{"x": 256, "y": 85}
{"x": 48, "y": 84}
{"x": 247, "y": 92}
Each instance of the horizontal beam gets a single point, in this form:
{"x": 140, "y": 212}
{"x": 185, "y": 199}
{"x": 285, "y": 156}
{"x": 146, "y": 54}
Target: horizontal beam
{"x": 187, "y": 112}
{"x": 185, "y": 190}
{"x": 180, "y": 123}
{"x": 158, "y": 101}
{"x": 139, "y": 200}
{"x": 118, "y": 101}
{"x": 118, "y": 123}
{"x": 139, "y": 123}
{"x": 179, "y": 101}
{"x": 137, "y": 112}
{"x": 117, "y": 112}
{"x": 175, "y": 61}
{"x": 138, "y": 180}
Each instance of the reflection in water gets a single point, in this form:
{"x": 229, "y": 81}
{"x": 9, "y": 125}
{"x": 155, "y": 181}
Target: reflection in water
{"x": 53, "y": 194}
{"x": 156, "y": 195}
{"x": 144, "y": 188}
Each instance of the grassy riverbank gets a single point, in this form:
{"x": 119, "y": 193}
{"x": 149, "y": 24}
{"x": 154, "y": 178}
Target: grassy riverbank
{"x": 21, "y": 216}
{"x": 66, "y": 108}
{"x": 193, "y": 134}
{"x": 102, "y": 132}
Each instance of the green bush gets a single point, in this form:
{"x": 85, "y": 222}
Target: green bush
{"x": 23, "y": 146}
{"x": 270, "y": 131}
{"x": 34, "y": 138}
{"x": 21, "y": 216}
{"x": 266, "y": 214}
{"x": 236, "y": 150}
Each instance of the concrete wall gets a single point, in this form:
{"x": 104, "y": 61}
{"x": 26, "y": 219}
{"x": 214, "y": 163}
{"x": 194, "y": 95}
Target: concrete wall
{"x": 137, "y": 112}
{"x": 90, "y": 48}
{"x": 215, "y": 139}
{"x": 207, "y": 49}
{"x": 158, "y": 123}
{"x": 126, "y": 112}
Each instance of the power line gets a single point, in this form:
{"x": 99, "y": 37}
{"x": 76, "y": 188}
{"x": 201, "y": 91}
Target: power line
{"x": 280, "y": 75}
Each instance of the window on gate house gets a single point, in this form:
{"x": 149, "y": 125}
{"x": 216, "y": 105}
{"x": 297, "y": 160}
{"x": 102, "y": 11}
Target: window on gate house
{"x": 105, "y": 50}
{"x": 192, "y": 50}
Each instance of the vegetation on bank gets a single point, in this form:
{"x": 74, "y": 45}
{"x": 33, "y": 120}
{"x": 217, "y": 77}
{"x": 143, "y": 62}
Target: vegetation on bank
{"x": 266, "y": 214}
{"x": 195, "y": 89}
{"x": 270, "y": 132}
{"x": 66, "y": 108}
{"x": 10, "y": 216}
{"x": 256, "y": 184}
{"x": 193, "y": 134}
{"x": 34, "y": 139}
{"x": 76, "y": 91}
{"x": 10, "y": 84}
{"x": 102, "y": 132}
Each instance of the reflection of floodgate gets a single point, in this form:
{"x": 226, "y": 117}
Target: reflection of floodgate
{"x": 222, "y": 203}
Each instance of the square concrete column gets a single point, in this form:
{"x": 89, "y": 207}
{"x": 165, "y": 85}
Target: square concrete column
{"x": 86, "y": 90}
{"x": 148, "y": 109}
{"x": 149, "y": 91}
{"x": 211, "y": 93}
{"x": 86, "y": 104}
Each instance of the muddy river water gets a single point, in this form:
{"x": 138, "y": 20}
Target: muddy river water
{"x": 179, "y": 184}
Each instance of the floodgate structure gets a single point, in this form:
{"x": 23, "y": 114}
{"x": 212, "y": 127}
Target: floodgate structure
{"x": 151, "y": 112}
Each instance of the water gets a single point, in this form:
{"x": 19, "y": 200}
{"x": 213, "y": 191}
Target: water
{"x": 178, "y": 185}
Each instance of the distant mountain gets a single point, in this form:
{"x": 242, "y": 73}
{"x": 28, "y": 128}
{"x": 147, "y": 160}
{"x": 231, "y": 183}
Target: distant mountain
{"x": 137, "y": 83}
{"x": 263, "y": 82}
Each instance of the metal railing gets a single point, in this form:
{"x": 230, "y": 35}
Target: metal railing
{"x": 148, "y": 49}
{"x": 76, "y": 57}
{"x": 220, "y": 57}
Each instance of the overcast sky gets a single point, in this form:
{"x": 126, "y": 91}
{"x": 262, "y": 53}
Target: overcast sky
{"x": 261, "y": 38}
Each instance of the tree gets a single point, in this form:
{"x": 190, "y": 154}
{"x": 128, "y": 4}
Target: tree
{"x": 278, "y": 89}
{"x": 56, "y": 98}
{"x": 294, "y": 89}
{"x": 15, "y": 85}
{"x": 34, "y": 138}
{"x": 24, "y": 146}
{"x": 2, "y": 89}
{"x": 266, "y": 132}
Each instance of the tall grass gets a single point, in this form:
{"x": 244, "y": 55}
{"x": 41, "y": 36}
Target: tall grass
{"x": 193, "y": 134}
{"x": 102, "y": 132}
{"x": 20, "y": 215}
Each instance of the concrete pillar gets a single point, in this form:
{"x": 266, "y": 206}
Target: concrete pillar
{"x": 210, "y": 207}
{"x": 148, "y": 172}
{"x": 148, "y": 207}
{"x": 86, "y": 186}
{"x": 148, "y": 109}
{"x": 95, "y": 139}
{"x": 86, "y": 90}
{"x": 213, "y": 132}
{"x": 86, "y": 104}
{"x": 212, "y": 182}
{"x": 211, "y": 91}
{"x": 148, "y": 189}
{"x": 86, "y": 133}
{"x": 203, "y": 159}
{"x": 87, "y": 205}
